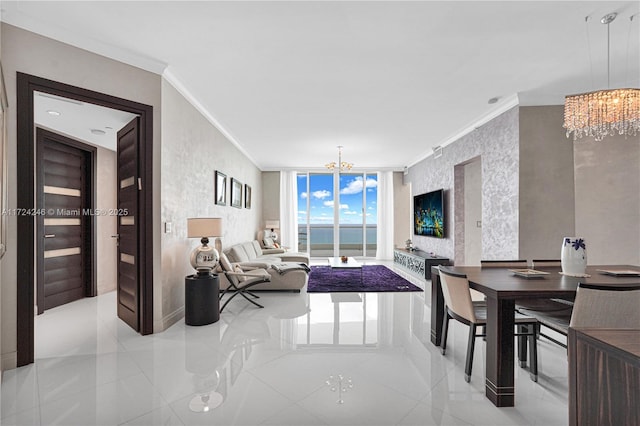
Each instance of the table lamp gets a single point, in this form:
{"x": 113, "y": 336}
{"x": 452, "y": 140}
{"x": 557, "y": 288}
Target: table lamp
{"x": 204, "y": 258}
{"x": 271, "y": 225}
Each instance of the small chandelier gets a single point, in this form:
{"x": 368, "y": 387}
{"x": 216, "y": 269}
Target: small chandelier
{"x": 603, "y": 112}
{"x": 341, "y": 165}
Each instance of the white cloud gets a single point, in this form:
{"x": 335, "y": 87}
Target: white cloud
{"x": 331, "y": 203}
{"x": 303, "y": 195}
{"x": 350, "y": 212}
{"x": 356, "y": 185}
{"x": 323, "y": 193}
{"x": 302, "y": 212}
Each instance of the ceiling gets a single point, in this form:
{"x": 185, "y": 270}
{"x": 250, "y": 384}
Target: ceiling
{"x": 91, "y": 123}
{"x": 289, "y": 81}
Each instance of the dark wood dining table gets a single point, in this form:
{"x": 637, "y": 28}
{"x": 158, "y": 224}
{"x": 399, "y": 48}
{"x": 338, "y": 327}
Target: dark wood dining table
{"x": 502, "y": 287}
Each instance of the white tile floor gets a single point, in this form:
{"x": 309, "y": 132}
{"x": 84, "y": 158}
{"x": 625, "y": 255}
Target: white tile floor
{"x": 270, "y": 367}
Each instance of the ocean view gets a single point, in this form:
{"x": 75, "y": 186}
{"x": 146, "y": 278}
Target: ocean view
{"x": 321, "y": 239}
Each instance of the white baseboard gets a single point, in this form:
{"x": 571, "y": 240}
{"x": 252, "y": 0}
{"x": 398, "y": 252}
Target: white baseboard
{"x": 167, "y": 321}
{"x": 9, "y": 361}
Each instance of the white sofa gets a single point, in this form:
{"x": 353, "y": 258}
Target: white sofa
{"x": 250, "y": 255}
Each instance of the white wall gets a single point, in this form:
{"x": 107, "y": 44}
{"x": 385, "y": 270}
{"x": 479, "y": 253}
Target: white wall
{"x": 106, "y": 226}
{"x": 472, "y": 213}
{"x": 29, "y": 53}
{"x": 270, "y": 197}
{"x": 402, "y": 202}
{"x": 607, "y": 199}
{"x": 192, "y": 150}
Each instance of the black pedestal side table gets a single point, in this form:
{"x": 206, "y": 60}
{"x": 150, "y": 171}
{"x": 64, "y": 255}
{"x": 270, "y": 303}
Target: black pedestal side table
{"x": 201, "y": 299}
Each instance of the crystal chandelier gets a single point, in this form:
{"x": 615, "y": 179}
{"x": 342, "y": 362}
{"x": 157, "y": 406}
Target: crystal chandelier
{"x": 603, "y": 112}
{"x": 341, "y": 165}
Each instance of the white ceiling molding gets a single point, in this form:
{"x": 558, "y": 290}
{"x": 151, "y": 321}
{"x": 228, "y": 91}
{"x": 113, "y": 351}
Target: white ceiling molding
{"x": 177, "y": 84}
{"x": 505, "y": 105}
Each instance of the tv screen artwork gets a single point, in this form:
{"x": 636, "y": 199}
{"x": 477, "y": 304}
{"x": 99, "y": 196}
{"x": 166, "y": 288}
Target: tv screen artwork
{"x": 428, "y": 214}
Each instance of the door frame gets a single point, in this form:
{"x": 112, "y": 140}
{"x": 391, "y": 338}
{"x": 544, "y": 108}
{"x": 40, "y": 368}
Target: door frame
{"x": 89, "y": 241}
{"x": 26, "y": 86}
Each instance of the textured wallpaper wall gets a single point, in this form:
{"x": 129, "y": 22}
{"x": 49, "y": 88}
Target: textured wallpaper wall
{"x": 192, "y": 150}
{"x": 496, "y": 143}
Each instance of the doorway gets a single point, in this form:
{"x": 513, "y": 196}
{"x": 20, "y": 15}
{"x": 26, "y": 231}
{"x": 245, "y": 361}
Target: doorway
{"x": 468, "y": 205}
{"x": 26, "y": 86}
{"x": 65, "y": 232}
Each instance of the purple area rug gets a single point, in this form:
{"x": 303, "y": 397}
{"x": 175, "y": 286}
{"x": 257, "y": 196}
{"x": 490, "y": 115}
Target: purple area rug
{"x": 372, "y": 278}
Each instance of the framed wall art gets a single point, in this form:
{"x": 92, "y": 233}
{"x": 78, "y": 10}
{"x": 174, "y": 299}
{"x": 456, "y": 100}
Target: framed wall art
{"x": 236, "y": 193}
{"x": 247, "y": 197}
{"x": 221, "y": 189}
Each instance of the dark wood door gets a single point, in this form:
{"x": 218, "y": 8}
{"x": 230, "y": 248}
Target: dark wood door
{"x": 63, "y": 212}
{"x": 129, "y": 183}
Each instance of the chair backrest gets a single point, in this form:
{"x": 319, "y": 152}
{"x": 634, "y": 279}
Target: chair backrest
{"x": 455, "y": 289}
{"x": 542, "y": 263}
{"x": 606, "y": 306}
{"x": 227, "y": 266}
{"x": 520, "y": 263}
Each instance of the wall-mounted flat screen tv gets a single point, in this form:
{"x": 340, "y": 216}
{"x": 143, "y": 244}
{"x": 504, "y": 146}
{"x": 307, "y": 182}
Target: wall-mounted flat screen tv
{"x": 428, "y": 214}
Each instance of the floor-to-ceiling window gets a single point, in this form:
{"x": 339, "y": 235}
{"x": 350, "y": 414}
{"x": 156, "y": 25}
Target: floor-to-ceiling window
{"x": 337, "y": 214}
{"x": 358, "y": 214}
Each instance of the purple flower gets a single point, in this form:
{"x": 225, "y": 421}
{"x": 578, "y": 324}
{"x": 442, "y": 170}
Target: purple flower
{"x": 578, "y": 244}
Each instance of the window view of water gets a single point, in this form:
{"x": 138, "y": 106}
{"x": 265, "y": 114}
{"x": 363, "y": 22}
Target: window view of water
{"x": 354, "y": 207}
{"x": 320, "y": 239}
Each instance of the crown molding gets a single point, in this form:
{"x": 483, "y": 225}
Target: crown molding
{"x": 172, "y": 79}
{"x": 504, "y": 106}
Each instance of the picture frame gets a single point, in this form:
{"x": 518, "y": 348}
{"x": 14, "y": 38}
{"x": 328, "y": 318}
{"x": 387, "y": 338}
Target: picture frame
{"x": 4, "y": 105}
{"x": 236, "y": 193}
{"x": 221, "y": 188}
{"x": 247, "y": 197}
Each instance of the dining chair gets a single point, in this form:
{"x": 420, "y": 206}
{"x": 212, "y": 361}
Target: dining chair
{"x": 241, "y": 281}
{"x": 595, "y": 305}
{"x": 516, "y": 264}
{"x": 459, "y": 306}
{"x": 606, "y": 306}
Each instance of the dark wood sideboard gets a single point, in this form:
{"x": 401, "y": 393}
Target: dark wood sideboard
{"x": 604, "y": 377}
{"x": 417, "y": 262}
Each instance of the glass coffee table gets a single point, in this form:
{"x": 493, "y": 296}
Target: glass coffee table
{"x": 351, "y": 263}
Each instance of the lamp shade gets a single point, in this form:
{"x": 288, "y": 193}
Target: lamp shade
{"x": 204, "y": 227}
{"x": 272, "y": 224}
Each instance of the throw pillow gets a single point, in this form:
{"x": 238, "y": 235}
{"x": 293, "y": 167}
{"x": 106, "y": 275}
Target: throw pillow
{"x": 268, "y": 242}
{"x": 276, "y": 245}
{"x": 238, "y": 269}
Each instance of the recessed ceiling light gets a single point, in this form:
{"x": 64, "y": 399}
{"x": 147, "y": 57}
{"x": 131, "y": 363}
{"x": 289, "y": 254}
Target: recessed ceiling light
{"x": 98, "y": 132}
{"x": 53, "y": 112}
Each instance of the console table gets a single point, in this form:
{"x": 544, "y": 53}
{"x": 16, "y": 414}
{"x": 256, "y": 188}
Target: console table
{"x": 417, "y": 262}
{"x": 604, "y": 376}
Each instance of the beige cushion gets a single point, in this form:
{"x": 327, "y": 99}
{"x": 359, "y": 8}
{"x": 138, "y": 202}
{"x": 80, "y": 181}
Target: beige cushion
{"x": 237, "y": 253}
{"x": 257, "y": 248}
{"x": 239, "y": 270}
{"x": 268, "y": 243}
{"x": 250, "y": 250}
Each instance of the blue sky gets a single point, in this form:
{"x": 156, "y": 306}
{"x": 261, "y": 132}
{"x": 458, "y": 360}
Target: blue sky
{"x": 322, "y": 198}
